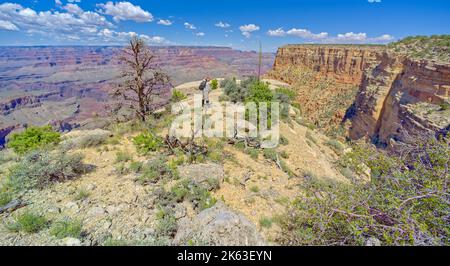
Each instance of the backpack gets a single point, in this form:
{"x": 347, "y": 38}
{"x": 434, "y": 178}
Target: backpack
{"x": 202, "y": 85}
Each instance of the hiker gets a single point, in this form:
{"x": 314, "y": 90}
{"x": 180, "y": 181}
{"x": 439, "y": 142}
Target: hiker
{"x": 205, "y": 87}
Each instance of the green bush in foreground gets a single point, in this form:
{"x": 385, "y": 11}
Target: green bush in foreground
{"x": 178, "y": 96}
{"x": 5, "y": 197}
{"x": 405, "y": 202}
{"x": 265, "y": 222}
{"x": 39, "y": 169}
{"x": 33, "y": 138}
{"x": 155, "y": 170}
{"x": 28, "y": 222}
{"x": 66, "y": 228}
{"x": 214, "y": 84}
{"x": 147, "y": 142}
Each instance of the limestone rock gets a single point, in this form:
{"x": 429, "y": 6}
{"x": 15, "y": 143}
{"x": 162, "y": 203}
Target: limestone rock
{"x": 219, "y": 225}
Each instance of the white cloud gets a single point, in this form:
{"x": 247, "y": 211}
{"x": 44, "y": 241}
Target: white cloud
{"x": 200, "y": 34}
{"x": 383, "y": 38}
{"x": 58, "y": 2}
{"x": 276, "y": 33}
{"x": 306, "y": 34}
{"x": 324, "y": 37}
{"x": 246, "y": 30}
{"x": 7, "y": 25}
{"x": 52, "y": 22}
{"x": 125, "y": 11}
{"x": 374, "y": 1}
{"x": 221, "y": 24}
{"x": 111, "y": 36}
{"x": 350, "y": 36}
{"x": 73, "y": 8}
{"x": 72, "y": 23}
{"x": 165, "y": 22}
{"x": 189, "y": 26}
{"x": 360, "y": 38}
{"x": 249, "y": 28}
{"x": 246, "y": 34}
{"x": 74, "y": 1}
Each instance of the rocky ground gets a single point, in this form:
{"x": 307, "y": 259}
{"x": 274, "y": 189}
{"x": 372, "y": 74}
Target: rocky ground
{"x": 116, "y": 207}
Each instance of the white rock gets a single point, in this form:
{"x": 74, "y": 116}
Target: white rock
{"x": 69, "y": 241}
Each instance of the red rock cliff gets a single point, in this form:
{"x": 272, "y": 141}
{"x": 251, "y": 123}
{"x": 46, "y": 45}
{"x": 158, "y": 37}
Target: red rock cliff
{"x": 344, "y": 63}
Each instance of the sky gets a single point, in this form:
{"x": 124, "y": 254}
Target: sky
{"x": 234, "y": 23}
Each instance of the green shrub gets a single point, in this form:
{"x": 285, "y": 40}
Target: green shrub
{"x": 66, "y": 228}
{"x": 5, "y": 197}
{"x": 291, "y": 94}
{"x": 444, "y": 106}
{"x": 201, "y": 198}
{"x": 265, "y": 222}
{"x": 283, "y": 140}
{"x": 111, "y": 242}
{"x": 270, "y": 154}
{"x": 405, "y": 202}
{"x": 33, "y": 138}
{"x": 178, "y": 96}
{"x": 254, "y": 189}
{"x": 286, "y": 169}
{"x": 240, "y": 145}
{"x": 198, "y": 195}
{"x": 121, "y": 169}
{"x": 214, "y": 84}
{"x": 136, "y": 167}
{"x": 284, "y": 155}
{"x": 236, "y": 93}
{"x": 260, "y": 92}
{"x": 28, "y": 222}
{"x": 213, "y": 183}
{"x": 167, "y": 224}
{"x": 81, "y": 194}
{"x": 7, "y": 155}
{"x": 155, "y": 170}
{"x": 284, "y": 96}
{"x": 253, "y": 152}
{"x": 123, "y": 156}
{"x": 38, "y": 169}
{"x": 335, "y": 145}
{"x": 224, "y": 98}
{"x": 146, "y": 143}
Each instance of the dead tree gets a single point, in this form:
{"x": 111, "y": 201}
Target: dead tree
{"x": 141, "y": 79}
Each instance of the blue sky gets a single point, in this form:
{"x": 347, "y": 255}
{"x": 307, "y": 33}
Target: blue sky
{"x": 235, "y": 23}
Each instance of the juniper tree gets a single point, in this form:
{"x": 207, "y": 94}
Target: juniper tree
{"x": 142, "y": 81}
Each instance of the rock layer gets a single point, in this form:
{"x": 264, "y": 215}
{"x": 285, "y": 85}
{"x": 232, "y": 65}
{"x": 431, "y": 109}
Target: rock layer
{"x": 344, "y": 63}
{"x": 400, "y": 98}
{"x": 397, "y": 97}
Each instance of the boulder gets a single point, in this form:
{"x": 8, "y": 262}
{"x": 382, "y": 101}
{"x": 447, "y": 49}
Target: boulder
{"x": 218, "y": 226}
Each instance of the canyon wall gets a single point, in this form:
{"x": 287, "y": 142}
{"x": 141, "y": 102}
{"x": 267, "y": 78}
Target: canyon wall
{"x": 397, "y": 97}
{"x": 401, "y": 99}
{"x": 344, "y": 63}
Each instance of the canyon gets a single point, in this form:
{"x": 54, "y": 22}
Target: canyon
{"x": 389, "y": 96}
{"x": 69, "y": 87}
